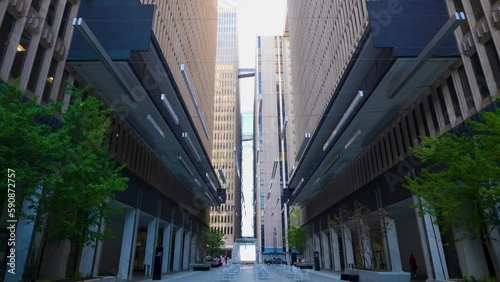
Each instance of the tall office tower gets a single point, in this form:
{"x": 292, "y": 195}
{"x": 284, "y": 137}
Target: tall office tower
{"x": 272, "y": 85}
{"x": 185, "y": 31}
{"x": 367, "y": 84}
{"x": 227, "y": 137}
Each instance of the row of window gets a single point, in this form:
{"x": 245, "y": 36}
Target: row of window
{"x": 25, "y": 45}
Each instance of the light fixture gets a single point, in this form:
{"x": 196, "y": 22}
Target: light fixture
{"x": 210, "y": 180}
{"x": 298, "y": 187}
{"x": 170, "y": 110}
{"x": 186, "y": 167}
{"x": 153, "y": 122}
{"x": 197, "y": 182}
{"x": 331, "y": 163}
{"x": 352, "y": 139}
{"x": 221, "y": 174}
{"x": 190, "y": 142}
{"x": 317, "y": 180}
{"x": 343, "y": 120}
{"x": 237, "y": 163}
{"x": 283, "y": 129}
{"x": 193, "y": 98}
{"x": 20, "y": 48}
{"x": 275, "y": 165}
{"x": 302, "y": 146}
{"x": 50, "y": 79}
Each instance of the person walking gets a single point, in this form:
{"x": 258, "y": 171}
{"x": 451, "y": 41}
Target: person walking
{"x": 413, "y": 264}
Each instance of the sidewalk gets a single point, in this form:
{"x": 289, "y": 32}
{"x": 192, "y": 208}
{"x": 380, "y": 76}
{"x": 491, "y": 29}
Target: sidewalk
{"x": 246, "y": 275}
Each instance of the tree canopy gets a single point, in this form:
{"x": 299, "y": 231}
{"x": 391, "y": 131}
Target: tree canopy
{"x": 460, "y": 183}
{"x": 62, "y": 167}
{"x": 209, "y": 242}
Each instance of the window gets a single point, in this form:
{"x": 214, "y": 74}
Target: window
{"x": 453, "y": 96}
{"x": 51, "y": 12}
{"x": 477, "y": 9}
{"x": 50, "y": 80}
{"x": 64, "y": 20}
{"x": 432, "y": 109}
{"x": 492, "y": 54}
{"x": 481, "y": 79}
{"x": 35, "y": 71}
{"x": 21, "y": 51}
{"x": 37, "y": 4}
{"x": 5, "y": 33}
{"x": 444, "y": 111}
{"x": 466, "y": 87}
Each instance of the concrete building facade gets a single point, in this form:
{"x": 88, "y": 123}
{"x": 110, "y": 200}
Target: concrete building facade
{"x": 270, "y": 139}
{"x": 369, "y": 78}
{"x": 227, "y": 139}
{"x": 153, "y": 63}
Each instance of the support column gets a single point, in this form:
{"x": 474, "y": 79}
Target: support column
{"x": 194, "y": 254}
{"x": 151, "y": 245}
{"x": 392, "y": 245}
{"x": 24, "y": 233}
{"x": 471, "y": 257}
{"x": 366, "y": 246}
{"x": 337, "y": 266}
{"x": 178, "y": 249}
{"x": 432, "y": 246}
{"x": 167, "y": 243}
{"x": 127, "y": 253}
{"x": 326, "y": 250}
{"x": 317, "y": 247}
{"x": 90, "y": 256}
{"x": 186, "y": 252}
{"x": 348, "y": 252}
{"x": 495, "y": 242}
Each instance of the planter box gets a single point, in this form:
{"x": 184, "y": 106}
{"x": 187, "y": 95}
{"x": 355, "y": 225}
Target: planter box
{"x": 382, "y": 276}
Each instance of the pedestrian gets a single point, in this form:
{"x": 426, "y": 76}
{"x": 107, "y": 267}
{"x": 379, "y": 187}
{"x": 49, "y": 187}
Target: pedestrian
{"x": 413, "y": 265}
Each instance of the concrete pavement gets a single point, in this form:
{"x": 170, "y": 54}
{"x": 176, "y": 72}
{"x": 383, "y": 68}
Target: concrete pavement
{"x": 246, "y": 275}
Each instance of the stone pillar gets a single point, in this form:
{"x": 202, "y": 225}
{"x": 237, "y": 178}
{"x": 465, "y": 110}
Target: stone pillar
{"x": 151, "y": 245}
{"x": 194, "y": 255}
{"x": 471, "y": 257}
{"x": 90, "y": 256}
{"x": 495, "y": 243}
{"x": 326, "y": 250}
{"x": 125, "y": 268}
{"x": 167, "y": 243}
{"x": 432, "y": 246}
{"x": 337, "y": 266}
{"x": 392, "y": 245}
{"x": 24, "y": 233}
{"x": 348, "y": 252}
{"x": 178, "y": 249}
{"x": 186, "y": 251}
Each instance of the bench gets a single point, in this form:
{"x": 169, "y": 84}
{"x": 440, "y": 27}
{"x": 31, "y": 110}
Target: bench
{"x": 305, "y": 265}
{"x": 349, "y": 277}
{"x": 200, "y": 266}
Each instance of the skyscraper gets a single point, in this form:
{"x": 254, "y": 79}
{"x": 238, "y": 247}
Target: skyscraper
{"x": 272, "y": 85}
{"x": 227, "y": 126}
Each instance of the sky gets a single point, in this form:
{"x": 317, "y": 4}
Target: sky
{"x": 255, "y": 17}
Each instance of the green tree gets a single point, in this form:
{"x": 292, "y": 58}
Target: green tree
{"x": 209, "y": 242}
{"x": 297, "y": 238}
{"x": 460, "y": 183}
{"x": 63, "y": 169}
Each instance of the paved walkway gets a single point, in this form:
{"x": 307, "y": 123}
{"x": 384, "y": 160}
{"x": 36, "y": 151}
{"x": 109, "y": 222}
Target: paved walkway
{"x": 246, "y": 275}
